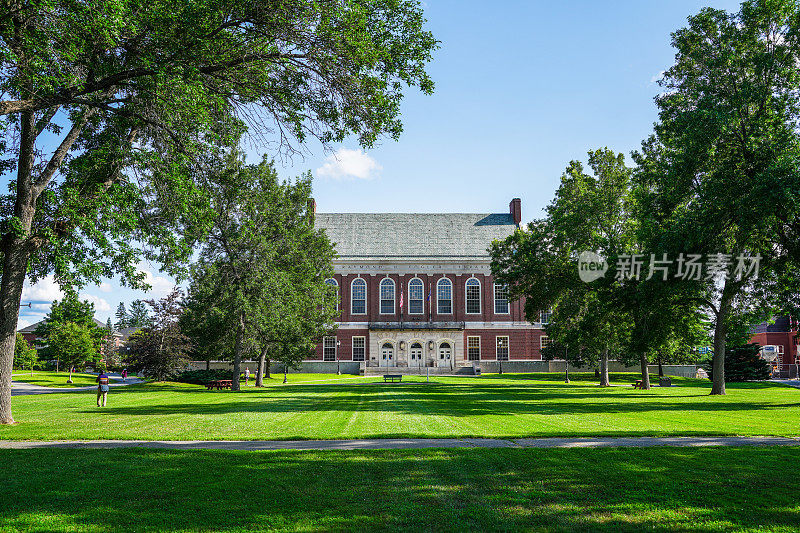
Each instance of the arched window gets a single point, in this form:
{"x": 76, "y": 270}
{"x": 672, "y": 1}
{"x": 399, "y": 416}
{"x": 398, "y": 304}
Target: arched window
{"x": 416, "y": 297}
{"x": 500, "y": 299}
{"x": 358, "y": 297}
{"x": 444, "y": 297}
{"x": 387, "y": 296}
{"x": 332, "y": 283}
{"x": 473, "y": 290}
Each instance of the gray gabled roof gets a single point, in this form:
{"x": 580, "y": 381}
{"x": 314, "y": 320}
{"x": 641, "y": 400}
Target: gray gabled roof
{"x": 414, "y": 235}
{"x": 32, "y": 327}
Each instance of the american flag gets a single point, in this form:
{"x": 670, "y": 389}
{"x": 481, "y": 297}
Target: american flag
{"x": 401, "y": 296}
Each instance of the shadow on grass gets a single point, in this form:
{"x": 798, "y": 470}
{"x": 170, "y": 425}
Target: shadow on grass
{"x": 440, "y": 399}
{"x": 449, "y": 490}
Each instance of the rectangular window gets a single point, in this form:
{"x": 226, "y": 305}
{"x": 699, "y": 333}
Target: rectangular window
{"x": 329, "y": 349}
{"x": 444, "y": 297}
{"x": 502, "y": 349}
{"x": 359, "y": 348}
{"x": 544, "y": 317}
{"x": 500, "y": 299}
{"x": 474, "y": 348}
{"x": 545, "y": 341}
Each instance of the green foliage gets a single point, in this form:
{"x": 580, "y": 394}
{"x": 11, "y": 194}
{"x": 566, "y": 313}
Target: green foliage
{"x": 72, "y": 343}
{"x": 260, "y": 279}
{"x": 25, "y": 356}
{"x": 160, "y": 350}
{"x": 72, "y": 309}
{"x": 122, "y": 316}
{"x": 743, "y": 363}
{"x": 139, "y": 316}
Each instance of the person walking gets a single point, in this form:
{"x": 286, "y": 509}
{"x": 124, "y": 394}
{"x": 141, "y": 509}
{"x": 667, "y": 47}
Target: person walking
{"x": 102, "y": 388}
{"x": 124, "y": 374}
{"x": 246, "y": 375}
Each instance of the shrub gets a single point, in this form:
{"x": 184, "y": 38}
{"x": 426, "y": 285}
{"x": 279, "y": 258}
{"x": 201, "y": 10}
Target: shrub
{"x": 743, "y": 363}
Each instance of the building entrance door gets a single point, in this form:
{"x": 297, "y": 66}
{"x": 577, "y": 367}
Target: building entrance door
{"x": 416, "y": 355}
{"x": 387, "y": 355}
{"x": 445, "y": 355}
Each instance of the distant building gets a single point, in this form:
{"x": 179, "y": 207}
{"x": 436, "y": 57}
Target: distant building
{"x": 416, "y": 290}
{"x": 779, "y": 345}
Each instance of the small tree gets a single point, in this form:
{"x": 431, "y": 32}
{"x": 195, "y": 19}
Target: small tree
{"x": 24, "y": 355}
{"x": 160, "y": 349}
{"x": 73, "y": 344}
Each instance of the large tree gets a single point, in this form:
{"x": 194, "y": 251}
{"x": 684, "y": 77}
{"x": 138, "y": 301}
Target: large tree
{"x": 721, "y": 174}
{"x": 72, "y": 309}
{"x": 590, "y": 213}
{"x": 134, "y": 93}
{"x": 260, "y": 278}
{"x": 160, "y": 349}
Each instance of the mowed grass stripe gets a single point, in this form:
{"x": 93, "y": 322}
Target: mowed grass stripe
{"x": 508, "y": 406}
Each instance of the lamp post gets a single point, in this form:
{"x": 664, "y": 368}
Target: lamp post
{"x": 500, "y": 359}
{"x": 338, "y": 370}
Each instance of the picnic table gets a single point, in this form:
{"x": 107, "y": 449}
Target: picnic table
{"x": 392, "y": 377}
{"x": 219, "y": 384}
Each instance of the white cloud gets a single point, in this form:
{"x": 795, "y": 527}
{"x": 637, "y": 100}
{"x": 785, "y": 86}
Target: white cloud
{"x": 100, "y": 304}
{"x": 23, "y": 323}
{"x": 44, "y": 290}
{"x": 160, "y": 285}
{"x": 105, "y": 287}
{"x": 349, "y": 164}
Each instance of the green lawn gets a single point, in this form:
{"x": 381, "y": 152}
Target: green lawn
{"x": 532, "y": 405}
{"x": 54, "y": 379}
{"x": 654, "y": 489}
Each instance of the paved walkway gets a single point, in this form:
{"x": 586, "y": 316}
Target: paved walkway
{"x": 791, "y": 382}
{"x": 409, "y": 444}
{"x": 21, "y": 388}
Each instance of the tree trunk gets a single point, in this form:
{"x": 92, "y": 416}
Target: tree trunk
{"x": 566, "y": 371}
{"x": 237, "y": 353}
{"x": 645, "y": 371}
{"x": 266, "y": 368}
{"x": 208, "y": 364}
{"x": 260, "y": 370}
{"x": 69, "y": 379}
{"x": 604, "y": 381}
{"x": 660, "y": 368}
{"x": 720, "y": 334}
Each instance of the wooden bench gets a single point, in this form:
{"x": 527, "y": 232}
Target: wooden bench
{"x": 392, "y": 378}
{"x": 219, "y": 384}
{"x": 638, "y": 385}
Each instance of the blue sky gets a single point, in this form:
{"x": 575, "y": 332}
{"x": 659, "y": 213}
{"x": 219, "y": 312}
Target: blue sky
{"x": 521, "y": 89}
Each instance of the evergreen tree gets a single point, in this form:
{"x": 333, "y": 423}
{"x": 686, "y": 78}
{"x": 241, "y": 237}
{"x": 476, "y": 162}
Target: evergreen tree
{"x": 123, "y": 320}
{"x": 139, "y": 316}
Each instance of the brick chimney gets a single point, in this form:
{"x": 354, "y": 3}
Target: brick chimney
{"x": 312, "y": 209}
{"x": 515, "y": 208}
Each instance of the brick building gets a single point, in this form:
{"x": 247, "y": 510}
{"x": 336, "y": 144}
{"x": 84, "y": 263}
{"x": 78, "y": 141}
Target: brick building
{"x": 416, "y": 291}
{"x": 779, "y": 342}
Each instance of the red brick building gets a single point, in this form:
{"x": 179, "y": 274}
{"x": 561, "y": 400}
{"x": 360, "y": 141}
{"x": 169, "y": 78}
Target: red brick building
{"x": 779, "y": 342}
{"x": 416, "y": 291}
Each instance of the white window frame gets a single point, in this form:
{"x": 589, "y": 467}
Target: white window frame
{"x": 449, "y": 282}
{"x": 325, "y": 341}
{"x": 333, "y": 283}
{"x": 466, "y": 296}
{"x": 549, "y": 314}
{"x": 352, "y": 285}
{"x": 543, "y": 341}
{"x": 421, "y": 300}
{"x": 497, "y": 347}
{"x": 469, "y": 338}
{"x": 363, "y": 347}
{"x": 508, "y": 302}
{"x": 380, "y": 296}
